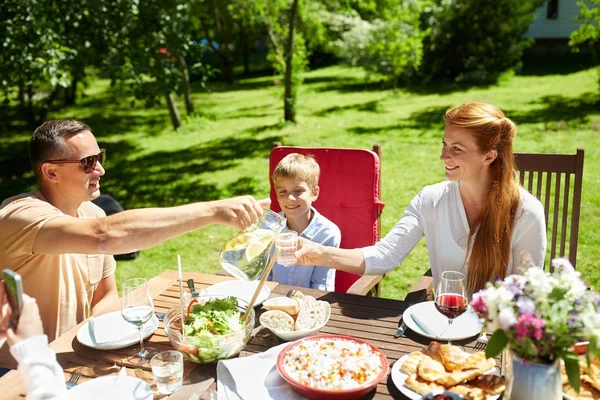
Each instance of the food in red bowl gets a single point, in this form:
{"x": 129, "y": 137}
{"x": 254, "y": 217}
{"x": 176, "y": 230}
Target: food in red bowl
{"x": 324, "y": 367}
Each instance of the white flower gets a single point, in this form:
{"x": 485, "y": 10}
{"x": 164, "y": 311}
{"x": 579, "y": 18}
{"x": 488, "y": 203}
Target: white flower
{"x": 506, "y": 318}
{"x": 562, "y": 265}
{"x": 526, "y": 305}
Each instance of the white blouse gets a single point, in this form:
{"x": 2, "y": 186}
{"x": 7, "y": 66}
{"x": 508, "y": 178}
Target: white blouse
{"x": 437, "y": 213}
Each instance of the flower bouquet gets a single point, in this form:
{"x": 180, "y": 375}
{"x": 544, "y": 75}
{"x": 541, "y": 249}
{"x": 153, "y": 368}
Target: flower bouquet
{"x": 541, "y": 315}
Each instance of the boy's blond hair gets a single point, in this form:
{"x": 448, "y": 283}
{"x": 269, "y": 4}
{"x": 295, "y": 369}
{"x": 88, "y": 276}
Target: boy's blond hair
{"x": 299, "y": 167}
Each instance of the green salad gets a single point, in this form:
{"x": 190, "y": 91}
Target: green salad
{"x": 206, "y": 326}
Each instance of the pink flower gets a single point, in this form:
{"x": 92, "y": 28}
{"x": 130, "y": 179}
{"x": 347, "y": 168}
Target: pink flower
{"x": 163, "y": 50}
{"x": 478, "y": 303}
{"x": 529, "y": 326}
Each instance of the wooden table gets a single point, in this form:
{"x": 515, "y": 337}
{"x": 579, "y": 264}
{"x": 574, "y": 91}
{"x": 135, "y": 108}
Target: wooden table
{"x": 369, "y": 318}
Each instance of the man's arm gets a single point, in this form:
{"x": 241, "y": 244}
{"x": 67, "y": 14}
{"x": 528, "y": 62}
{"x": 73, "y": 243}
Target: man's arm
{"x": 133, "y": 230}
{"x": 106, "y": 296}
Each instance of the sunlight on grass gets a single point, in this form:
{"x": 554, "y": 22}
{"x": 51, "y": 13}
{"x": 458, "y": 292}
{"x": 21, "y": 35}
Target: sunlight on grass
{"x": 223, "y": 149}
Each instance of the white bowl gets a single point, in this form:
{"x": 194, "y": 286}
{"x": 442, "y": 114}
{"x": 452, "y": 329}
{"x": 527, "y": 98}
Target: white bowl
{"x": 294, "y": 335}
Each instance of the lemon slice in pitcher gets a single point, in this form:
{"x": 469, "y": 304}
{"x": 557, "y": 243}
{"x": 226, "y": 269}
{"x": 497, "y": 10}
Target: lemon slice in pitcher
{"x": 254, "y": 250}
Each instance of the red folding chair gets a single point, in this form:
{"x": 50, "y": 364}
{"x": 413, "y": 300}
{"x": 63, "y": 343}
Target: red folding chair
{"x": 350, "y": 195}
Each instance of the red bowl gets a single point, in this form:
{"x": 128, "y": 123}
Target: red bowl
{"x": 324, "y": 394}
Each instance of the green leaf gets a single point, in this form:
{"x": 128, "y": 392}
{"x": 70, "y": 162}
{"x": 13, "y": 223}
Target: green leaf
{"x": 496, "y": 344}
{"x": 572, "y": 368}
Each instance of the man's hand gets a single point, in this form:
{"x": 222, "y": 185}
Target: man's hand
{"x": 310, "y": 253}
{"x": 30, "y": 322}
{"x": 239, "y": 212}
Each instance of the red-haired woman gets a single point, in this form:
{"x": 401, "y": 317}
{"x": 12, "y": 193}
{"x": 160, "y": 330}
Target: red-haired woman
{"x": 478, "y": 222}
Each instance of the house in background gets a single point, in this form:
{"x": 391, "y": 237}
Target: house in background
{"x": 554, "y": 22}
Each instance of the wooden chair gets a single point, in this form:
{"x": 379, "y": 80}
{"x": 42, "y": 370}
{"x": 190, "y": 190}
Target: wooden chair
{"x": 350, "y": 195}
{"x": 555, "y": 180}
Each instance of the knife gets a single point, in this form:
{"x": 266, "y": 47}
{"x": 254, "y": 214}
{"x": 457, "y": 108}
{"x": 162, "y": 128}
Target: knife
{"x": 401, "y": 329}
{"x": 91, "y": 326}
{"x": 421, "y": 325}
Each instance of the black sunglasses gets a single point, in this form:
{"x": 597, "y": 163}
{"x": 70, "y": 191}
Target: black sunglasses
{"x": 88, "y": 163}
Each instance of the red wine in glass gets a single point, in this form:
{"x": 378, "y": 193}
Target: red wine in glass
{"x": 450, "y": 299}
{"x": 451, "y": 305}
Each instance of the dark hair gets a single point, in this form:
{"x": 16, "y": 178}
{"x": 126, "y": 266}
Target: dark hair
{"x": 48, "y": 140}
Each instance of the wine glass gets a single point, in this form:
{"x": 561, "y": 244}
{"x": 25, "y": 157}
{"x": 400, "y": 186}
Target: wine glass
{"x": 450, "y": 299}
{"x": 137, "y": 308}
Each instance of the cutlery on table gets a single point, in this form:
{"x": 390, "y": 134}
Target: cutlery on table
{"x": 74, "y": 378}
{"x": 190, "y": 283}
{"x": 401, "y": 328}
{"x": 91, "y": 327}
{"x": 481, "y": 342}
{"x": 423, "y": 326}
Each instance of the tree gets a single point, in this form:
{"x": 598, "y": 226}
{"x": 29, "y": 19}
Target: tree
{"x": 588, "y": 33}
{"x": 148, "y": 49}
{"x": 390, "y": 43}
{"x": 288, "y": 23}
{"x": 32, "y": 55}
{"x": 474, "y": 40}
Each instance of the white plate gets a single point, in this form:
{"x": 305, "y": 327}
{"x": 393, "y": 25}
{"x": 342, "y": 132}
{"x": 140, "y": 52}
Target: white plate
{"x": 112, "y": 387}
{"x": 463, "y": 327}
{"x": 121, "y": 340}
{"x": 398, "y": 377}
{"x": 241, "y": 289}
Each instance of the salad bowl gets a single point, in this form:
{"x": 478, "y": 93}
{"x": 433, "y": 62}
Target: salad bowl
{"x": 212, "y": 330}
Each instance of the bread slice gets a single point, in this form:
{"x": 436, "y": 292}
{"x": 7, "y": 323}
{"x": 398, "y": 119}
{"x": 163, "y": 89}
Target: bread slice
{"x": 313, "y": 313}
{"x": 277, "y": 321}
{"x": 285, "y": 304}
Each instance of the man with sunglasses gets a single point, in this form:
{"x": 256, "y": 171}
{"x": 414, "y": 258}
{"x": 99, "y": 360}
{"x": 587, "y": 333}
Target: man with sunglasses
{"x": 62, "y": 244}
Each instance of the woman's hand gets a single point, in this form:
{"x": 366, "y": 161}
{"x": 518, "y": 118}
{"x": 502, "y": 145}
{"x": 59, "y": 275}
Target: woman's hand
{"x": 311, "y": 253}
{"x": 30, "y": 322}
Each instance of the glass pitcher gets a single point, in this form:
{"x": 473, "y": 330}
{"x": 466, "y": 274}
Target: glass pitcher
{"x": 246, "y": 255}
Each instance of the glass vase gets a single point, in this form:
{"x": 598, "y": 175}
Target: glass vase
{"x": 534, "y": 381}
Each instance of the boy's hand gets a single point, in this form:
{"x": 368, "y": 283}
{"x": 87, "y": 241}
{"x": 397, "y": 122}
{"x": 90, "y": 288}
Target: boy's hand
{"x": 30, "y": 322}
{"x": 310, "y": 253}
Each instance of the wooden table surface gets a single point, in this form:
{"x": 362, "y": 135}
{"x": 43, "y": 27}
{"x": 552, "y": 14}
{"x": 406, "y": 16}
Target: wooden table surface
{"x": 369, "y": 318}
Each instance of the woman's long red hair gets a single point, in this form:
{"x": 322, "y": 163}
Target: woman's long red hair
{"x": 491, "y": 248}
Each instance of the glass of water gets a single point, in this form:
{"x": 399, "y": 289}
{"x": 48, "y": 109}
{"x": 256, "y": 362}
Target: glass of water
{"x": 137, "y": 308}
{"x": 287, "y": 243}
{"x": 167, "y": 368}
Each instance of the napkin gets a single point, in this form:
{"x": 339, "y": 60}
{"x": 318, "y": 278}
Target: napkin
{"x": 111, "y": 330}
{"x": 253, "y": 377}
{"x": 426, "y": 322}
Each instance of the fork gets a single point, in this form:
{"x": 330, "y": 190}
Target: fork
{"x": 74, "y": 378}
{"x": 481, "y": 342}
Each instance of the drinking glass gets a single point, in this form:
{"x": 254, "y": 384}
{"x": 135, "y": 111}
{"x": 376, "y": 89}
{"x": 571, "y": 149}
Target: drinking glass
{"x": 246, "y": 255}
{"x": 287, "y": 242}
{"x": 137, "y": 308}
{"x": 167, "y": 368}
{"x": 450, "y": 299}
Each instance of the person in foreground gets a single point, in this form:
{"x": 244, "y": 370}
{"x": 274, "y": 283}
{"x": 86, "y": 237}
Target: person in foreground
{"x": 43, "y": 375}
{"x": 296, "y": 181}
{"x": 62, "y": 244}
{"x": 477, "y": 222}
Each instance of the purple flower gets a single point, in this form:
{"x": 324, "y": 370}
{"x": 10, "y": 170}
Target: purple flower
{"x": 526, "y": 305}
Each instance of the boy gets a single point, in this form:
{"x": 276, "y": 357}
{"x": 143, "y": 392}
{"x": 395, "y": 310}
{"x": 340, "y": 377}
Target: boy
{"x": 296, "y": 179}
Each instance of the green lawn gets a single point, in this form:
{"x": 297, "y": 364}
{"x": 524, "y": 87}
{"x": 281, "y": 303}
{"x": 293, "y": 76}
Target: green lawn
{"x": 223, "y": 150}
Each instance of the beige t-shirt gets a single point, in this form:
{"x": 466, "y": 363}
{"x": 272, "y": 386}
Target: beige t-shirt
{"x": 63, "y": 284}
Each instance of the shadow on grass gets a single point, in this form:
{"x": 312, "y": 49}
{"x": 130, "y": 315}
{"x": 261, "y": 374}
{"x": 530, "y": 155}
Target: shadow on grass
{"x": 370, "y": 106}
{"x": 167, "y": 178}
{"x": 427, "y": 120}
{"x": 548, "y": 64}
{"x": 571, "y": 111}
